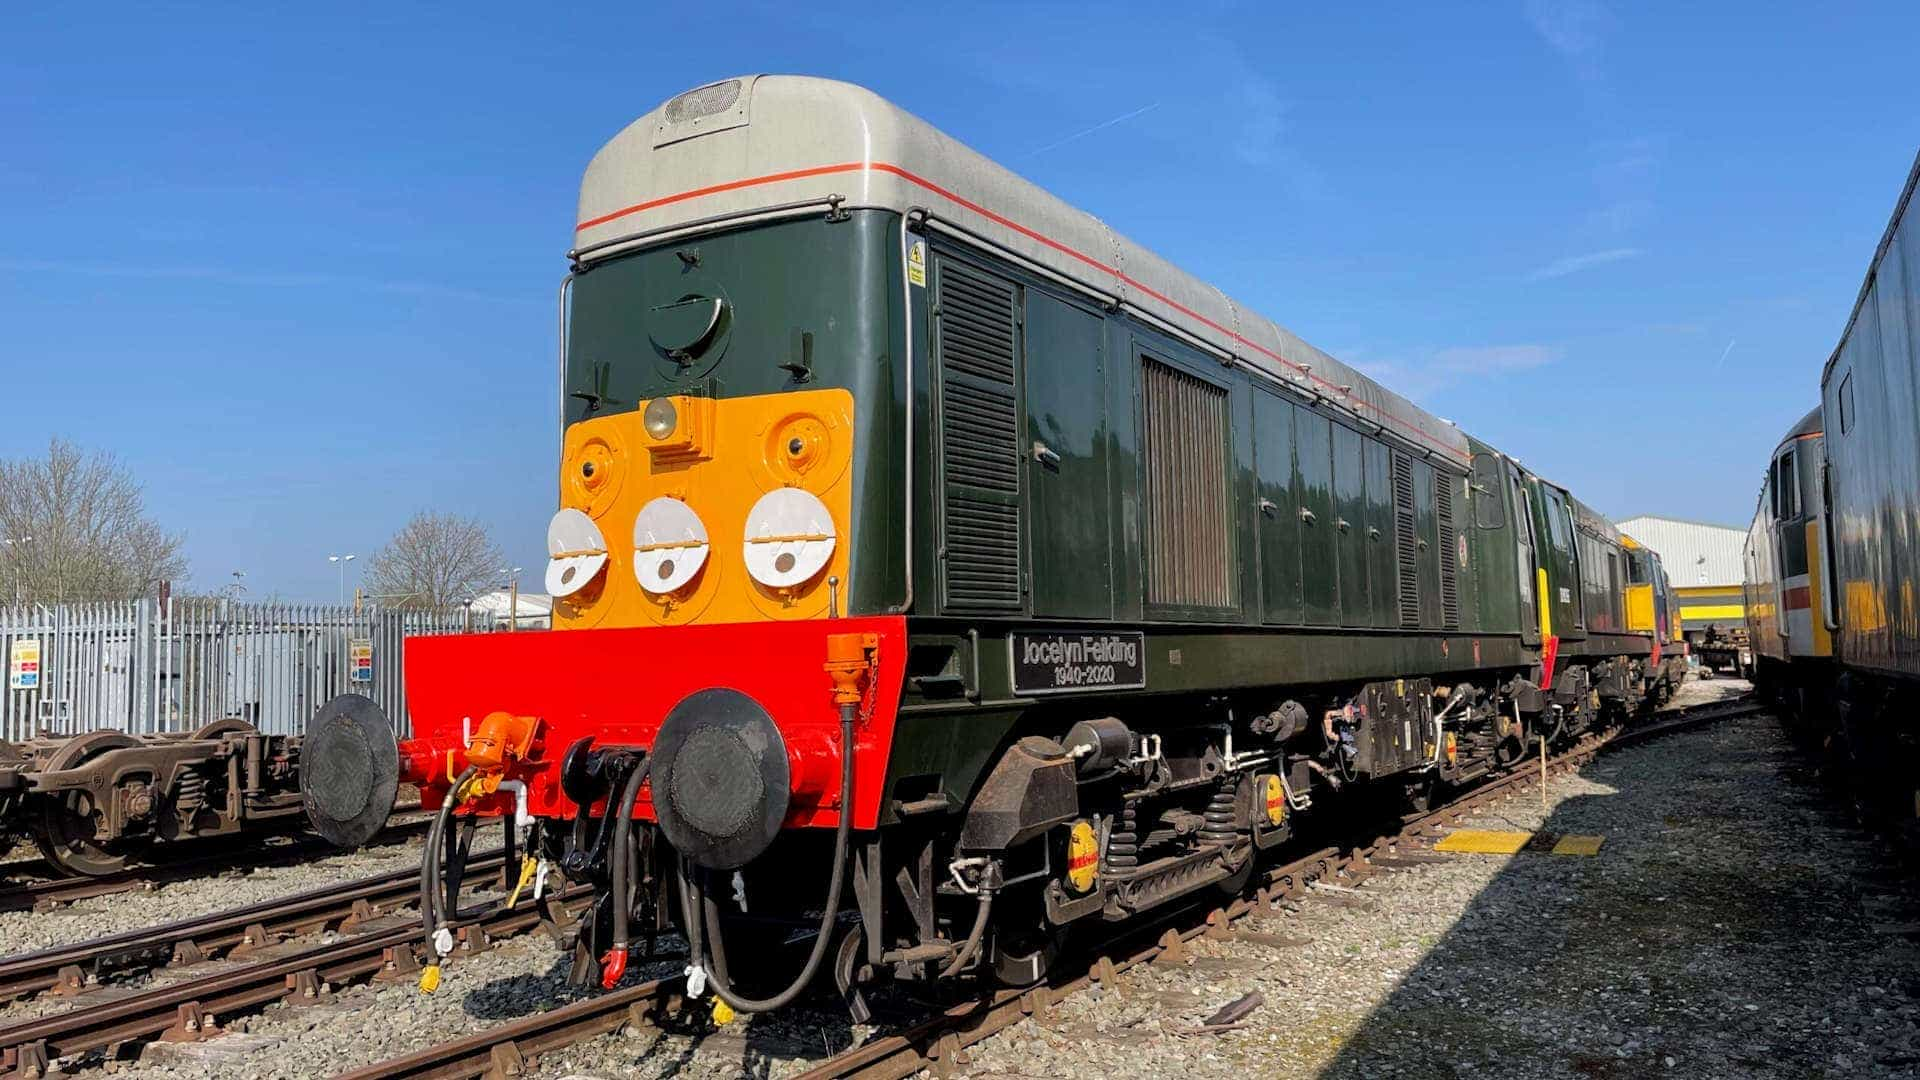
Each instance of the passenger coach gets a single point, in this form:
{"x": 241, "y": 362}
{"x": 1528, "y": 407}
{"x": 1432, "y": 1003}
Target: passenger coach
{"x": 1834, "y": 549}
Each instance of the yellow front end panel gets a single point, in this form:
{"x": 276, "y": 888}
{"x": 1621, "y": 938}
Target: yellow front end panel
{"x": 720, "y": 458}
{"x": 1640, "y": 607}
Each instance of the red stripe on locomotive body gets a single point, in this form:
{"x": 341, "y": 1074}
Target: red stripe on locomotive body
{"x": 616, "y": 686}
{"x": 1040, "y": 238}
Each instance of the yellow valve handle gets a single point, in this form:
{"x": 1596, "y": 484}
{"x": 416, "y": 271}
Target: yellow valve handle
{"x": 430, "y": 979}
{"x": 528, "y": 864}
{"x": 722, "y": 1013}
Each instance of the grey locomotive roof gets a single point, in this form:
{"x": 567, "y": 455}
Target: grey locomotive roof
{"x": 768, "y": 143}
{"x": 1810, "y": 424}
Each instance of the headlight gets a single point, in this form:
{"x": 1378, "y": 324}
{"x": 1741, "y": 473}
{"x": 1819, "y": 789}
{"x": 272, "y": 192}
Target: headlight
{"x": 576, "y": 552}
{"x": 669, "y": 542}
{"x": 789, "y": 538}
{"x": 660, "y": 418}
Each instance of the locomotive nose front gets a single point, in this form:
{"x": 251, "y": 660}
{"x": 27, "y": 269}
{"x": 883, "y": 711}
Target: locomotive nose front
{"x": 721, "y": 778}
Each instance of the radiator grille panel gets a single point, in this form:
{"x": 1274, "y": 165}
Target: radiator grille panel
{"x": 977, "y": 438}
{"x": 977, "y": 339}
{"x": 1449, "y": 555}
{"x": 1189, "y": 547}
{"x": 1405, "y": 536}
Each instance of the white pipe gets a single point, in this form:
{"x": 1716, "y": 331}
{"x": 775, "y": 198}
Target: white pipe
{"x": 521, "y": 818}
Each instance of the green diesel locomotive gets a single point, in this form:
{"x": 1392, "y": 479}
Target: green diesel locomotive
{"x": 1114, "y": 581}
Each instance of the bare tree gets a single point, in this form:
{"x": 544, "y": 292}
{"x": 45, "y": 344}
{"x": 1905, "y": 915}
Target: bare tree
{"x": 435, "y": 561}
{"x": 78, "y": 529}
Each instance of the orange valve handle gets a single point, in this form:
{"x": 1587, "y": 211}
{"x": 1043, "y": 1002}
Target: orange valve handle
{"x": 612, "y": 967}
{"x": 503, "y": 738}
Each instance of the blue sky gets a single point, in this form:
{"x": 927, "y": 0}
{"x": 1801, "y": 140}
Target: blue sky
{"x": 296, "y": 265}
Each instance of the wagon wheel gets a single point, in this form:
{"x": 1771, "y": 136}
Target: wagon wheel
{"x": 67, "y": 835}
{"x": 232, "y": 725}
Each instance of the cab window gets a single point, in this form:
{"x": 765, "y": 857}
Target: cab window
{"x": 1786, "y": 488}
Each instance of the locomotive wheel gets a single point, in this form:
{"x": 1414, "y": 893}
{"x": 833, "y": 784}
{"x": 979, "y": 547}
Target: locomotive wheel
{"x": 232, "y": 725}
{"x": 1022, "y": 956}
{"x": 67, "y": 835}
{"x": 1420, "y": 793}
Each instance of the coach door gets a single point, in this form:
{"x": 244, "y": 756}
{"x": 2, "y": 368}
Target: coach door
{"x": 1562, "y": 561}
{"x": 1278, "y": 509}
{"x": 1527, "y": 554}
{"x": 1069, "y": 512}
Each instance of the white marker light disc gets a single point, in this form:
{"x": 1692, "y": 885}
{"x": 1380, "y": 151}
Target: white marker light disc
{"x": 576, "y": 552}
{"x": 669, "y": 545}
{"x": 789, "y": 538}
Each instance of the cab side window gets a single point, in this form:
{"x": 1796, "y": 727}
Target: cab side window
{"x": 1786, "y": 488}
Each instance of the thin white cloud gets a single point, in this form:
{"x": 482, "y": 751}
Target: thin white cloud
{"x": 1101, "y": 126}
{"x": 1424, "y": 374}
{"x": 1263, "y": 120}
{"x": 1479, "y": 359}
{"x": 1573, "y": 264}
{"x": 1574, "y": 28}
{"x": 250, "y": 278}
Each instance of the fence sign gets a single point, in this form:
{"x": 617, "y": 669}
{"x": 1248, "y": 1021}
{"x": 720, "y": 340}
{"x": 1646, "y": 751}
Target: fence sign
{"x": 360, "y": 660}
{"x": 23, "y": 664}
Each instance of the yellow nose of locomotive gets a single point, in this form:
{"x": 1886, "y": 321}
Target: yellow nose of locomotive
{"x": 703, "y": 510}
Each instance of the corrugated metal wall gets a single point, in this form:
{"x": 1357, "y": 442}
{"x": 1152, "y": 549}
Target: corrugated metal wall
{"x": 1694, "y": 553}
{"x": 141, "y": 666}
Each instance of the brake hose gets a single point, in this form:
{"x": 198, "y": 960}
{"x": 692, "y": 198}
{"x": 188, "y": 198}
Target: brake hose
{"x": 614, "y": 964}
{"x": 431, "y": 914}
{"x": 696, "y": 908}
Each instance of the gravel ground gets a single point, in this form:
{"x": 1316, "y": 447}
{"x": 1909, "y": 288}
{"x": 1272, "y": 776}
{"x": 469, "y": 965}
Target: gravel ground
{"x": 24, "y": 931}
{"x": 1728, "y": 928}
{"x": 1699, "y": 943}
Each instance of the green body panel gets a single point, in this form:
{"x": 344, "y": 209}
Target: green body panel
{"x": 1489, "y": 520}
{"x": 1313, "y": 479}
{"x": 1069, "y": 496}
{"x": 1379, "y": 534}
{"x": 1553, "y": 528}
{"x": 1349, "y": 528}
{"x": 1428, "y": 546}
{"x": 1278, "y": 517}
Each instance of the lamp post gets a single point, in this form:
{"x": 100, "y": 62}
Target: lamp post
{"x": 342, "y": 561}
{"x": 19, "y": 572}
{"x": 513, "y": 597}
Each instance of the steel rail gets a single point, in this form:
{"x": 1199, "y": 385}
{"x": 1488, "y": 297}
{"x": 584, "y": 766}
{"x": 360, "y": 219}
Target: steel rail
{"x": 233, "y": 931}
{"x": 189, "y": 1009}
{"x": 41, "y": 894}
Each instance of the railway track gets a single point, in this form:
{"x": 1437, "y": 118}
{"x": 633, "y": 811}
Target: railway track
{"x": 41, "y": 892}
{"x": 236, "y": 932}
{"x": 383, "y": 947}
{"x": 510, "y": 1049}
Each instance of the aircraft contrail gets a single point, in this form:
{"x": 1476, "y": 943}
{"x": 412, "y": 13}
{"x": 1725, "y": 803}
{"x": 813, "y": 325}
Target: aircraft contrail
{"x": 1723, "y": 355}
{"x": 1121, "y": 119}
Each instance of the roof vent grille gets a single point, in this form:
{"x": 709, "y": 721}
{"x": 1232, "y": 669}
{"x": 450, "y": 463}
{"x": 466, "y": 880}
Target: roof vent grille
{"x": 705, "y": 101}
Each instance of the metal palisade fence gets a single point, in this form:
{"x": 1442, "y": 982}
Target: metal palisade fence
{"x": 144, "y": 667}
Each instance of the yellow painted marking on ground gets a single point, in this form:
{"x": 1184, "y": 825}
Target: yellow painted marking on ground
{"x": 1484, "y": 841}
{"x": 1579, "y": 845}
